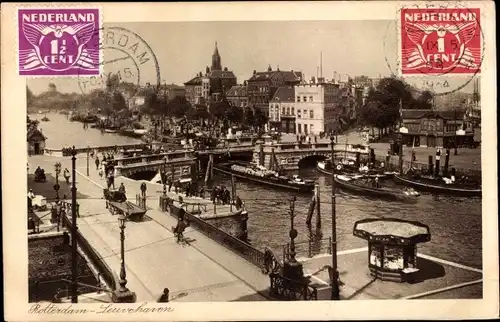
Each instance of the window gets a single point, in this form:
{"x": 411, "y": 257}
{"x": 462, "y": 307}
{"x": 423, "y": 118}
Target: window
{"x": 293, "y": 110}
{"x": 305, "y": 113}
{"x": 304, "y": 99}
{"x": 305, "y": 129}
{"x": 310, "y": 98}
{"x": 298, "y": 98}
{"x": 288, "y": 110}
{"x": 298, "y": 114}
{"x": 311, "y": 114}
{"x": 283, "y": 110}
{"x": 311, "y": 127}
{"x": 299, "y": 128}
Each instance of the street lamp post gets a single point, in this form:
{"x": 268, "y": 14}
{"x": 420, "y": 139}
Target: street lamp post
{"x": 123, "y": 294}
{"x": 88, "y": 150}
{"x": 334, "y": 275}
{"x": 74, "y": 229}
{"x": 57, "y": 167}
{"x": 164, "y": 179}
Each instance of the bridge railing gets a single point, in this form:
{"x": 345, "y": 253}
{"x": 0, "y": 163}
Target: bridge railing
{"x": 104, "y": 148}
{"x": 105, "y": 271}
{"x": 171, "y": 156}
{"x": 291, "y": 290}
{"x": 238, "y": 246}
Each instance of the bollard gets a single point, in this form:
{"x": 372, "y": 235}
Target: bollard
{"x": 431, "y": 166}
{"x": 438, "y": 160}
{"x": 318, "y": 207}
{"x": 446, "y": 163}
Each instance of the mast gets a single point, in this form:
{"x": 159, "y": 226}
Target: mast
{"x": 321, "y": 64}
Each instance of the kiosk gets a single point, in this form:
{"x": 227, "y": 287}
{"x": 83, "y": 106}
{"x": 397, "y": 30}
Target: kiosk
{"x": 392, "y": 250}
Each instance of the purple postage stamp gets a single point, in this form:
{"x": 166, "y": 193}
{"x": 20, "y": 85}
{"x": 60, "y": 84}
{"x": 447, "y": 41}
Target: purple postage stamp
{"x": 55, "y": 42}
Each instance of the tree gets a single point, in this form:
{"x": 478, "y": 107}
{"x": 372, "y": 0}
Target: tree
{"x": 249, "y": 117}
{"x": 29, "y": 97}
{"x": 234, "y": 114}
{"x": 178, "y": 106}
{"x": 52, "y": 87}
{"x": 118, "y": 102}
{"x": 260, "y": 119}
{"x": 219, "y": 109}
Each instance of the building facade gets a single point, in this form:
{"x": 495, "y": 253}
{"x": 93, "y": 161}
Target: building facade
{"x": 237, "y": 96}
{"x": 429, "y": 128}
{"x": 211, "y": 85}
{"x": 263, "y": 85}
{"x": 282, "y": 110}
{"x": 193, "y": 89}
{"x": 317, "y": 107}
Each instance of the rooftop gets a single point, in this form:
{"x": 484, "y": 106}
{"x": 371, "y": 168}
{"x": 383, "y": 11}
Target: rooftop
{"x": 288, "y": 76}
{"x": 237, "y": 90}
{"x": 419, "y": 113}
{"x": 284, "y": 94}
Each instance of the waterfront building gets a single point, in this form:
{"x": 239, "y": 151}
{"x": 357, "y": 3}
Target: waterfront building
{"x": 213, "y": 84}
{"x": 36, "y": 141}
{"x": 193, "y": 90}
{"x": 431, "y": 128}
{"x": 237, "y": 95}
{"x": 263, "y": 85}
{"x": 171, "y": 91}
{"x": 282, "y": 110}
{"x": 318, "y": 107}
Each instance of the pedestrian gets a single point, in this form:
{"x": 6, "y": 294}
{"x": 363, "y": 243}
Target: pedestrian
{"x": 77, "y": 209}
{"x": 164, "y": 297}
{"x": 97, "y": 163}
{"x": 169, "y": 183}
{"x": 143, "y": 189}
{"x": 122, "y": 188}
{"x": 66, "y": 175}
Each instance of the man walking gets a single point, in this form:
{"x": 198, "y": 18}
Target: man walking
{"x": 97, "y": 162}
{"x": 143, "y": 189}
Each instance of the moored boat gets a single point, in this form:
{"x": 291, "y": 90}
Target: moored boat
{"x": 261, "y": 175}
{"x": 110, "y": 130}
{"x": 325, "y": 167}
{"x": 368, "y": 186}
{"x": 438, "y": 186}
{"x": 45, "y": 119}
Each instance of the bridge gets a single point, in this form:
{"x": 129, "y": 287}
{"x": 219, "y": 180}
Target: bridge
{"x": 288, "y": 155}
{"x": 176, "y": 163}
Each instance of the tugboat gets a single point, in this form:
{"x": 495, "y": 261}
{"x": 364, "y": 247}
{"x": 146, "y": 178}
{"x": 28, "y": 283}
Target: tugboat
{"x": 45, "y": 119}
{"x": 440, "y": 185}
{"x": 373, "y": 187}
{"x": 261, "y": 175}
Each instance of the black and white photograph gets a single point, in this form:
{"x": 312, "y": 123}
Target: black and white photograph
{"x": 252, "y": 161}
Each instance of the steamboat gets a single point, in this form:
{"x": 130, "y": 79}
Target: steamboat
{"x": 261, "y": 175}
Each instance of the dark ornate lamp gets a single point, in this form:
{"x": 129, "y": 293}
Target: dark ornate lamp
{"x": 122, "y": 294}
{"x": 292, "y": 268}
{"x": 165, "y": 177}
{"x": 57, "y": 167}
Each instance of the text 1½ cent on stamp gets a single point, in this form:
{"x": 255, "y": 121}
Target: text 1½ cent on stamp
{"x": 55, "y": 42}
{"x": 437, "y": 41}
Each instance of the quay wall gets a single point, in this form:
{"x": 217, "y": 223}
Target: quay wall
{"x": 233, "y": 223}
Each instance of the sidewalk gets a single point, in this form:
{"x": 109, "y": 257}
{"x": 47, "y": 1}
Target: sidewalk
{"x": 201, "y": 271}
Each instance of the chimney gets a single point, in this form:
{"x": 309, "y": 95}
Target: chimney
{"x": 313, "y": 80}
{"x": 254, "y": 72}
{"x": 269, "y": 69}
{"x": 225, "y": 69}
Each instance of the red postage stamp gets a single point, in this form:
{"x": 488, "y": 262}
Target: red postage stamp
{"x": 439, "y": 41}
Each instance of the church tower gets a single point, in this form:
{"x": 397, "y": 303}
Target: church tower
{"x": 216, "y": 63}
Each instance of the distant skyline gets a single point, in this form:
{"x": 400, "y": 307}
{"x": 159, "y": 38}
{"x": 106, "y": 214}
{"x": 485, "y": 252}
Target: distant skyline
{"x": 184, "y": 49}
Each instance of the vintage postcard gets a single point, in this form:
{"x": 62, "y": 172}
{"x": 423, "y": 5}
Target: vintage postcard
{"x": 249, "y": 161}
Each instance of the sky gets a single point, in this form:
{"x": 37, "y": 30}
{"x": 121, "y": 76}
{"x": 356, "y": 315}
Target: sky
{"x": 185, "y": 48}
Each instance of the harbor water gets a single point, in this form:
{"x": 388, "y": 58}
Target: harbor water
{"x": 454, "y": 222}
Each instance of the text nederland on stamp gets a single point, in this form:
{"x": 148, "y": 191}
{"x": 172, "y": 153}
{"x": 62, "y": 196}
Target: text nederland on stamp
{"x": 437, "y": 41}
{"x": 125, "y": 55}
{"x": 55, "y": 42}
